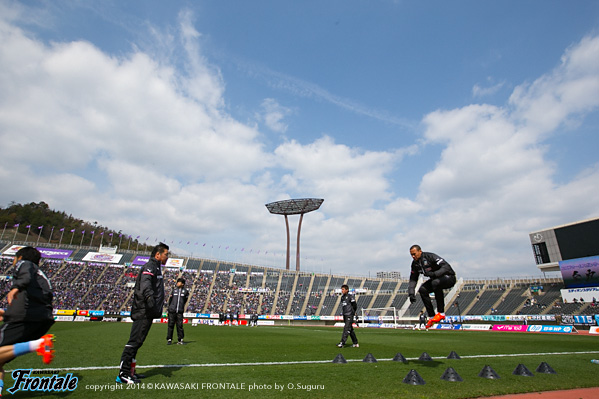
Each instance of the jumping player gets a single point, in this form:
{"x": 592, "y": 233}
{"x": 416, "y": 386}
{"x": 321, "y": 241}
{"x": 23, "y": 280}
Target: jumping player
{"x": 441, "y": 276}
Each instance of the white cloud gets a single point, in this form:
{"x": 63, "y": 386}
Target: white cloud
{"x": 487, "y": 90}
{"x": 274, "y": 114}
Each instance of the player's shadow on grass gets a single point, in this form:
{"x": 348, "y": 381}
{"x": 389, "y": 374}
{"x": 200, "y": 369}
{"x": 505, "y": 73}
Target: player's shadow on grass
{"x": 163, "y": 371}
{"x": 427, "y": 363}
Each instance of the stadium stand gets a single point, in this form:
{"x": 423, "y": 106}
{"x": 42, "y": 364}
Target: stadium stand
{"x": 217, "y": 286}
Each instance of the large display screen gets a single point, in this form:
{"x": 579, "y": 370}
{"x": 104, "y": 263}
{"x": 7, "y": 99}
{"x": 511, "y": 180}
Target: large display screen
{"x": 583, "y": 272}
{"x": 578, "y": 240}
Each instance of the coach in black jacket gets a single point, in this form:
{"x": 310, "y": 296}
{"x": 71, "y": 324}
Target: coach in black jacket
{"x": 348, "y": 309}
{"x": 148, "y": 298}
{"x": 441, "y": 276}
{"x": 176, "y": 306}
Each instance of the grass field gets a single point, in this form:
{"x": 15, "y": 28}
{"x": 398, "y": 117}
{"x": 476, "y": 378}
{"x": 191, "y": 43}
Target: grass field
{"x": 297, "y": 362}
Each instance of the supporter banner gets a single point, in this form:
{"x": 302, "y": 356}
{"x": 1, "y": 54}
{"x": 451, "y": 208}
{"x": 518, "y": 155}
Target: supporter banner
{"x": 266, "y": 322}
{"x": 125, "y": 313}
{"x": 447, "y": 326}
{"x": 82, "y": 313}
{"x": 100, "y": 257}
{"x": 97, "y": 313}
{"x": 510, "y": 327}
{"x": 494, "y": 318}
{"x": 594, "y": 330}
{"x": 140, "y": 260}
{"x": 165, "y": 320}
{"x": 13, "y": 250}
{"x": 597, "y": 319}
{"x": 174, "y": 263}
{"x": 63, "y": 318}
{"x": 81, "y": 318}
{"x": 586, "y": 294}
{"x": 171, "y": 262}
{"x": 111, "y": 319}
{"x": 551, "y": 329}
{"x": 211, "y": 322}
{"x": 477, "y": 327}
{"x": 55, "y": 253}
{"x": 581, "y": 272}
{"x": 243, "y": 289}
{"x": 64, "y": 312}
{"x": 580, "y": 320}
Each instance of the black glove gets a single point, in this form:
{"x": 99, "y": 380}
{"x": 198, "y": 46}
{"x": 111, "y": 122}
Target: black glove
{"x": 430, "y": 273}
{"x": 412, "y": 298}
{"x": 150, "y": 302}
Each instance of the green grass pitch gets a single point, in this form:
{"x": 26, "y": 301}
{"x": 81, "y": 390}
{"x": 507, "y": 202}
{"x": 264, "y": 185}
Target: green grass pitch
{"x": 197, "y": 367}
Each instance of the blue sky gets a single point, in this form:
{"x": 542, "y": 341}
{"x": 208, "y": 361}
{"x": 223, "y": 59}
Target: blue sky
{"x": 461, "y": 126}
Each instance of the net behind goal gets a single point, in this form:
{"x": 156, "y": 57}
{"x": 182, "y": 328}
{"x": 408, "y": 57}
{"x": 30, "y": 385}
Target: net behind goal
{"x": 386, "y": 317}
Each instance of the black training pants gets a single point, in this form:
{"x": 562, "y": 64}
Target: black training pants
{"x": 175, "y": 318}
{"x": 139, "y": 332}
{"x": 348, "y": 329}
{"x": 436, "y": 285}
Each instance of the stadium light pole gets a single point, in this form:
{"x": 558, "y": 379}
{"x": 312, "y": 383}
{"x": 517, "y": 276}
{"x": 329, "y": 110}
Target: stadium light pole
{"x": 294, "y": 207}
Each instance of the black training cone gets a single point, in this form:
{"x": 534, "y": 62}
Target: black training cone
{"x": 451, "y": 375}
{"x": 425, "y": 357}
{"x": 453, "y": 355}
{"x": 488, "y": 372}
{"x": 369, "y": 359}
{"x": 545, "y": 368}
{"x": 339, "y": 359}
{"x": 413, "y": 378}
{"x": 400, "y": 358}
{"x": 523, "y": 371}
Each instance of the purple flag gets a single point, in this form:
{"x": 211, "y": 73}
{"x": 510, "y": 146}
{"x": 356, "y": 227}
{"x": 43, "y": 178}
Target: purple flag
{"x": 28, "y": 226}
{"x": 62, "y": 229}
{"x": 16, "y": 225}
{"x": 40, "y": 227}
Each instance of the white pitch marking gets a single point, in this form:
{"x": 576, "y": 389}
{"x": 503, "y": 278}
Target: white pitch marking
{"x": 303, "y": 362}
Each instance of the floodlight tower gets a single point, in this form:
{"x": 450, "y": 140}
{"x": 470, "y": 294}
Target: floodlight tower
{"x": 294, "y": 207}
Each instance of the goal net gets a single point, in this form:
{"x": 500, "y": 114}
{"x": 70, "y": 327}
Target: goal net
{"x": 386, "y": 317}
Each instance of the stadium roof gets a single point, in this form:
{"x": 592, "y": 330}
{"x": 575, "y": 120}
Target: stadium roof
{"x": 294, "y": 206}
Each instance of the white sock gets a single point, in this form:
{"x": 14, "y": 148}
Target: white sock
{"x": 35, "y": 344}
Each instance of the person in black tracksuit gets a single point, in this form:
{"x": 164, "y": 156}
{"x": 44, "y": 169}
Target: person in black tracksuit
{"x": 28, "y": 316}
{"x": 176, "y": 305}
{"x": 348, "y": 310}
{"x": 441, "y": 276}
{"x": 148, "y": 298}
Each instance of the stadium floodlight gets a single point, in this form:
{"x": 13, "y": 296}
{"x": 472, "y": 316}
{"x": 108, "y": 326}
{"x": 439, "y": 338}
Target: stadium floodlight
{"x": 294, "y": 207}
{"x": 380, "y": 316}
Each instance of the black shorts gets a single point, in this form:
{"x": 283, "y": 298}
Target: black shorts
{"x": 14, "y": 333}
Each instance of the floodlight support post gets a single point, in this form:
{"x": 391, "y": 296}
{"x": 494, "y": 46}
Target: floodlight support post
{"x": 297, "y": 254}
{"x": 287, "y": 226}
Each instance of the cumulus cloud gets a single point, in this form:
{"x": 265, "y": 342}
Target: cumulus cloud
{"x": 274, "y": 115}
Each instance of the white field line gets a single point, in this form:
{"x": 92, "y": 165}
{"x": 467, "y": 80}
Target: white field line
{"x": 304, "y": 362}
